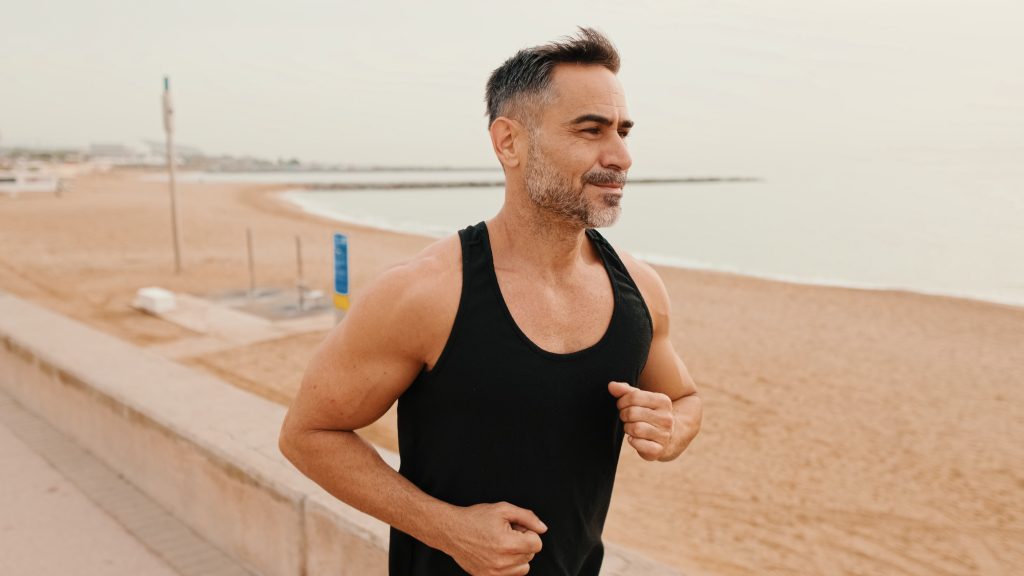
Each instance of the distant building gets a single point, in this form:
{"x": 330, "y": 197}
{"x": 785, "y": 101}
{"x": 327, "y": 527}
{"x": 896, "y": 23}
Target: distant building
{"x": 183, "y": 152}
{"x": 148, "y": 153}
{"x": 119, "y": 154}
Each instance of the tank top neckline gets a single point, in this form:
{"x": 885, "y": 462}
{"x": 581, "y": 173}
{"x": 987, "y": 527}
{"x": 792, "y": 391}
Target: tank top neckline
{"x": 493, "y": 280}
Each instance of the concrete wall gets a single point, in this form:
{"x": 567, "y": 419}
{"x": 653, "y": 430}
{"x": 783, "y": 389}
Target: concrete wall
{"x": 203, "y": 449}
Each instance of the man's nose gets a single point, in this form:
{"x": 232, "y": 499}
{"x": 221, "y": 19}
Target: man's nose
{"x": 616, "y": 154}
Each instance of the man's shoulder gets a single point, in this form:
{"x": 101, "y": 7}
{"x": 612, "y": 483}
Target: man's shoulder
{"x": 434, "y": 268}
{"x": 420, "y": 287}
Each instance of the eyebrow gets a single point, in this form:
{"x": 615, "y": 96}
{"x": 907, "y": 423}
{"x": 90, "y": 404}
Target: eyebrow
{"x": 600, "y": 120}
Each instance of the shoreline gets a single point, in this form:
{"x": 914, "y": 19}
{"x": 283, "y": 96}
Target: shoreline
{"x": 658, "y": 260}
{"x": 384, "y": 186}
{"x": 845, "y": 430}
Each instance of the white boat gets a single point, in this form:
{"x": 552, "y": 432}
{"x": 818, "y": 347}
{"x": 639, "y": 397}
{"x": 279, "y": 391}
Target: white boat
{"x": 14, "y": 182}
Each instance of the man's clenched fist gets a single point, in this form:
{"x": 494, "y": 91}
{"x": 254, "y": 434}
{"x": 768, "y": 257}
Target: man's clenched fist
{"x": 496, "y": 539}
{"x": 648, "y": 417}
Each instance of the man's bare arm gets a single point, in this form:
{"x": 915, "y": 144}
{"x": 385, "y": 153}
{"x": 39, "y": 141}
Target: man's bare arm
{"x": 353, "y": 378}
{"x": 356, "y": 374}
{"x": 663, "y": 413}
{"x": 665, "y": 373}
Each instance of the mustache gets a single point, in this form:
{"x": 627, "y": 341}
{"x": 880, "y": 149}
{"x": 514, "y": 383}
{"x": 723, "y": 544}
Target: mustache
{"x": 598, "y": 177}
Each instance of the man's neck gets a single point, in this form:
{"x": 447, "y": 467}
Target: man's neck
{"x": 537, "y": 242}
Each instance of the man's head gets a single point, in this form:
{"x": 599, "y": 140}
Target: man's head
{"x": 523, "y": 82}
{"x": 558, "y": 119}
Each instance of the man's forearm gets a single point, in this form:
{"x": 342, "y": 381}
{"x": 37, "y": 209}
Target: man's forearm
{"x": 351, "y": 470}
{"x": 688, "y": 412}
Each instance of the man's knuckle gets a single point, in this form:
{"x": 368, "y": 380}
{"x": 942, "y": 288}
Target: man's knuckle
{"x": 507, "y": 547}
{"x": 648, "y": 450}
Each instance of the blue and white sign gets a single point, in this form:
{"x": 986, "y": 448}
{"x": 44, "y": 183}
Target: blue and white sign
{"x": 341, "y": 271}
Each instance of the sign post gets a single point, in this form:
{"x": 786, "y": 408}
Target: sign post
{"x": 169, "y": 130}
{"x": 341, "y": 301}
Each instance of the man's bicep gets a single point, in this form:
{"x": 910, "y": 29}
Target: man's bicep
{"x": 665, "y": 371}
{"x": 361, "y": 368}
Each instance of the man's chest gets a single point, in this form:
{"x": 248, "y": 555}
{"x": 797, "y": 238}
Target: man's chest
{"x": 560, "y": 318}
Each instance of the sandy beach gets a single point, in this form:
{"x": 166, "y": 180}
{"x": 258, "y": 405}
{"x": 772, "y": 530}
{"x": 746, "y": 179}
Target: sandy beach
{"x": 845, "y": 431}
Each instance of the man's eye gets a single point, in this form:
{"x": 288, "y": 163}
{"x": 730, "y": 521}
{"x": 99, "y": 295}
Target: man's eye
{"x": 592, "y": 130}
{"x": 623, "y": 134}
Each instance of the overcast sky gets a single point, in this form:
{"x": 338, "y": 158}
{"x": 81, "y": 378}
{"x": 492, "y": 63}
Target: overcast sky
{"x": 716, "y": 86}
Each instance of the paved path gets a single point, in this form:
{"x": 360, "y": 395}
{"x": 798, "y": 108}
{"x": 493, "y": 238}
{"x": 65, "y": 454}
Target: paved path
{"x": 64, "y": 512}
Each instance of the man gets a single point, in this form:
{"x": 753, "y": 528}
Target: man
{"x": 521, "y": 351}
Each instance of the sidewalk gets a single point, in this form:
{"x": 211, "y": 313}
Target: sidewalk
{"x": 64, "y": 512}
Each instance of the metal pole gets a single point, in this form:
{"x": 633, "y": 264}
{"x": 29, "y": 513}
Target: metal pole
{"x": 252, "y": 266}
{"x": 298, "y": 259}
{"x": 169, "y": 129}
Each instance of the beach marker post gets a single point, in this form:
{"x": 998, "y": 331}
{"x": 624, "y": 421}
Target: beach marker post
{"x": 298, "y": 279}
{"x": 168, "y": 107}
{"x": 252, "y": 265}
{"x": 341, "y": 301}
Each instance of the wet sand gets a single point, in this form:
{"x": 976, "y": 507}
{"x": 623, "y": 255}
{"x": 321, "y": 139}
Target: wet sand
{"x": 846, "y": 431}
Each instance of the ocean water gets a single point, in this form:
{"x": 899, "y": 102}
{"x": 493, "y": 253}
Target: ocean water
{"x": 930, "y": 227}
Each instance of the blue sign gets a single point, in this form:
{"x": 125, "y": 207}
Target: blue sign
{"x": 341, "y": 264}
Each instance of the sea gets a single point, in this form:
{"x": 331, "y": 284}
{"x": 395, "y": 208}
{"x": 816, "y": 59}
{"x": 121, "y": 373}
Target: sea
{"x": 947, "y": 228}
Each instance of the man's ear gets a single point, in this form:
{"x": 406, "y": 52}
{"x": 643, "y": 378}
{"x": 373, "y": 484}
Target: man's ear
{"x": 507, "y": 141}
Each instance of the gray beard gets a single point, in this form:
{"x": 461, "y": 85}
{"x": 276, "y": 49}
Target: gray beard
{"x": 564, "y": 199}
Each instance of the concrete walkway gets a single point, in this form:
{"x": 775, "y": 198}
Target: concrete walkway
{"x": 64, "y": 512}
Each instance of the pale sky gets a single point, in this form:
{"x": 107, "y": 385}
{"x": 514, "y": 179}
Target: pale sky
{"x": 715, "y": 87}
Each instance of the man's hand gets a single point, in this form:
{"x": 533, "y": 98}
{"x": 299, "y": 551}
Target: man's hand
{"x": 649, "y": 420}
{"x": 495, "y": 539}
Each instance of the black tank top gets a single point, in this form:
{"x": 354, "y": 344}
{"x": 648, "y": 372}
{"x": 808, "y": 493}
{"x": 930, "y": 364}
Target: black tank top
{"x": 500, "y": 419}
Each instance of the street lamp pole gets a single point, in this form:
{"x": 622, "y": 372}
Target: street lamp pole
{"x": 169, "y": 130}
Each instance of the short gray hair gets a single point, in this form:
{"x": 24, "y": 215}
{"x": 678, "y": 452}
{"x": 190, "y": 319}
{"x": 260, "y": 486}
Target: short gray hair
{"x": 525, "y": 78}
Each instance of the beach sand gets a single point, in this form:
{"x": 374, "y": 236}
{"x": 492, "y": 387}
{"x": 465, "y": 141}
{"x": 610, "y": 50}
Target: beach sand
{"x": 845, "y": 431}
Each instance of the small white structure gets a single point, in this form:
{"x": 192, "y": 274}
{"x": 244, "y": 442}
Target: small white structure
{"x": 154, "y": 300}
{"x": 15, "y": 182}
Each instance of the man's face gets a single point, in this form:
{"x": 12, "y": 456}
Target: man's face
{"x": 577, "y": 162}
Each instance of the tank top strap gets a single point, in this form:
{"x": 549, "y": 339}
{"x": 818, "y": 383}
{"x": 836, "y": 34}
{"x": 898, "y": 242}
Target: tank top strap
{"x": 472, "y": 239}
{"x": 609, "y": 253}
{"x": 626, "y": 287}
{"x": 478, "y": 303}
{"x": 477, "y": 264}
